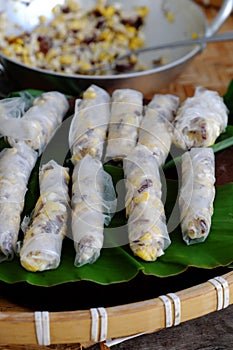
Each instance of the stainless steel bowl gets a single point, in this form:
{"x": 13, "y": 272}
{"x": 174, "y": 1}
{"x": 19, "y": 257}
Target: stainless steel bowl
{"x": 188, "y": 19}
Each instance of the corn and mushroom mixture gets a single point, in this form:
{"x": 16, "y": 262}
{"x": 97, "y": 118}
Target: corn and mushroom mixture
{"x": 77, "y": 39}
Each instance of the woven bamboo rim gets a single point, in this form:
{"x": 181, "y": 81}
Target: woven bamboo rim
{"x": 17, "y": 324}
{"x": 126, "y": 320}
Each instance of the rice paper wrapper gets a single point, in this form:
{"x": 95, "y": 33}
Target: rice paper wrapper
{"x": 156, "y": 129}
{"x": 197, "y": 194}
{"x": 88, "y": 236}
{"x": 44, "y": 232}
{"x": 147, "y": 230}
{"x": 11, "y": 122}
{"x": 125, "y": 118}
{"x": 57, "y": 190}
{"x": 16, "y": 165}
{"x": 39, "y": 123}
{"x": 9, "y": 228}
{"x": 93, "y": 205}
{"x": 148, "y": 235}
{"x": 41, "y": 252}
{"x": 93, "y": 188}
{"x": 200, "y": 120}
{"x": 89, "y": 125}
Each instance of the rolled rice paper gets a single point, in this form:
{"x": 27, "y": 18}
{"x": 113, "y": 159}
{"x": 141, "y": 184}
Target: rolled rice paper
{"x": 40, "y": 121}
{"x": 16, "y": 165}
{"x": 93, "y": 205}
{"x": 147, "y": 230}
{"x": 42, "y": 244}
{"x": 200, "y": 120}
{"x": 156, "y": 129}
{"x": 125, "y": 118}
{"x": 197, "y": 194}
{"x": 11, "y": 111}
{"x": 88, "y": 129}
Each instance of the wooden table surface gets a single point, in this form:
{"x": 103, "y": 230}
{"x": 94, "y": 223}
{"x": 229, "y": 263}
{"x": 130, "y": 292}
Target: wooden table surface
{"x": 213, "y": 69}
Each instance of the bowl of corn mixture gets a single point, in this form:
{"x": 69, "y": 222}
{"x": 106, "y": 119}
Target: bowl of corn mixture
{"x": 73, "y": 49}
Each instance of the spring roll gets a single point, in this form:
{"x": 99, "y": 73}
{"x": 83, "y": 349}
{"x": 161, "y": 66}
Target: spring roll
{"x": 156, "y": 129}
{"x": 197, "y": 194}
{"x": 125, "y": 118}
{"x": 16, "y": 165}
{"x": 93, "y": 204}
{"x": 11, "y": 111}
{"x": 147, "y": 230}
{"x": 88, "y": 129}
{"x": 200, "y": 120}
{"x": 42, "y": 244}
{"x": 41, "y": 120}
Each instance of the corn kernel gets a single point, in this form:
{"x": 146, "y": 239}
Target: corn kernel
{"x": 133, "y": 59}
{"x": 74, "y": 25}
{"x": 142, "y": 11}
{"x": 136, "y": 43}
{"x": 147, "y": 253}
{"x": 145, "y": 237}
{"x": 6, "y": 52}
{"x": 121, "y": 38}
{"x": 51, "y": 54}
{"x": 109, "y": 11}
{"x": 194, "y": 35}
{"x": 66, "y": 59}
{"x": 131, "y": 30}
{"x": 19, "y": 41}
{"x": 73, "y": 6}
{"x": 143, "y": 197}
{"x": 85, "y": 66}
{"x": 18, "y": 49}
{"x": 169, "y": 16}
{"x": 89, "y": 94}
{"x": 39, "y": 55}
{"x": 42, "y": 19}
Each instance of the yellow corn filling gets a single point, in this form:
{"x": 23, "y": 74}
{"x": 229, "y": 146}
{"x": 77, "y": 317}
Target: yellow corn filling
{"x": 76, "y": 40}
{"x": 143, "y": 197}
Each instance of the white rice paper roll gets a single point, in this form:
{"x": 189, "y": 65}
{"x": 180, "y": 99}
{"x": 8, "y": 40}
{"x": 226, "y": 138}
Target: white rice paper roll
{"x": 42, "y": 244}
{"x": 16, "y": 165}
{"x": 156, "y": 129}
{"x": 93, "y": 205}
{"x": 147, "y": 230}
{"x": 200, "y": 120}
{"x": 88, "y": 129}
{"x": 125, "y": 118}
{"x": 39, "y": 123}
{"x": 197, "y": 194}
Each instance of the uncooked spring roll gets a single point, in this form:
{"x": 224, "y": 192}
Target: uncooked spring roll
{"x": 156, "y": 129}
{"x": 11, "y": 111}
{"x": 42, "y": 244}
{"x": 93, "y": 204}
{"x": 147, "y": 230}
{"x": 41, "y": 120}
{"x": 88, "y": 129}
{"x": 200, "y": 120}
{"x": 197, "y": 194}
{"x": 16, "y": 165}
{"x": 125, "y": 118}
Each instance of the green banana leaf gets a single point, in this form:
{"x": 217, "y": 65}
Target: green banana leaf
{"x": 117, "y": 264}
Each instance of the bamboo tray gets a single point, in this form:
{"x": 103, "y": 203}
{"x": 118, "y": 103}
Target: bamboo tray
{"x": 18, "y": 323}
